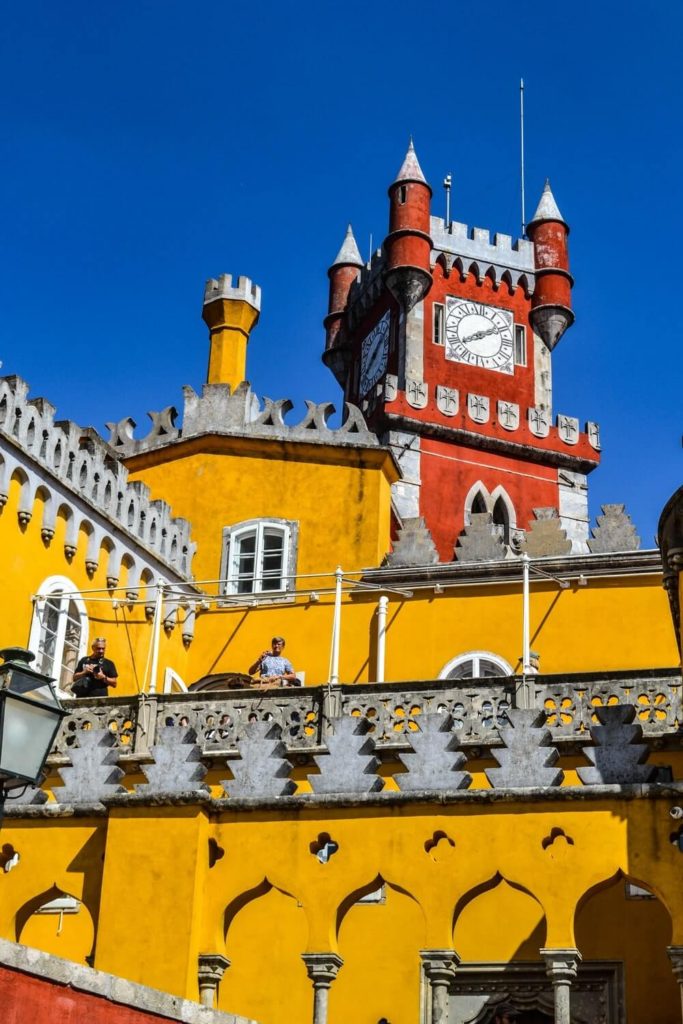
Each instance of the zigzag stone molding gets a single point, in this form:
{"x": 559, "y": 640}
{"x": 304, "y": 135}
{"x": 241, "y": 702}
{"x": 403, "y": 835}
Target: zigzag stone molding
{"x": 219, "y": 410}
{"x": 73, "y": 468}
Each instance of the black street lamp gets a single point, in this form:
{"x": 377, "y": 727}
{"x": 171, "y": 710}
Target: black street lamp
{"x": 30, "y": 715}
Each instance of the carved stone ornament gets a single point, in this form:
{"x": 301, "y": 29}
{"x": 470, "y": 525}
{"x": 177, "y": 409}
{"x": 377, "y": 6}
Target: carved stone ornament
{"x": 568, "y": 429}
{"x": 478, "y": 407}
{"x": 390, "y": 387}
{"x": 447, "y": 400}
{"x": 539, "y": 422}
{"x": 508, "y": 415}
{"x": 417, "y": 392}
{"x": 593, "y": 431}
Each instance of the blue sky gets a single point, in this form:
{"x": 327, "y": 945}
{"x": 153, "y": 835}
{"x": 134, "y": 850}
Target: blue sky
{"x": 148, "y": 146}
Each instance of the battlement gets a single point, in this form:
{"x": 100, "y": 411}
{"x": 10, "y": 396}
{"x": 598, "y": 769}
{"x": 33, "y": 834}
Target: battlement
{"x": 471, "y": 251}
{"x": 219, "y": 410}
{"x": 222, "y": 288}
{"x": 55, "y": 457}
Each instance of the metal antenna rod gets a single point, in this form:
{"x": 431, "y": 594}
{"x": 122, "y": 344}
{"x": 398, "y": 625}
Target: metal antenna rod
{"x": 370, "y": 256}
{"x": 521, "y": 148}
{"x": 447, "y": 182}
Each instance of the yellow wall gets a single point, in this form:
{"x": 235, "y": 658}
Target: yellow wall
{"x": 492, "y": 887}
{"x": 28, "y": 561}
{"x": 608, "y": 625}
{"x": 340, "y": 497}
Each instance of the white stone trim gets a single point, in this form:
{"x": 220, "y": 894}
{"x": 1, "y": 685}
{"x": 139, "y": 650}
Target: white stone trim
{"x": 53, "y": 586}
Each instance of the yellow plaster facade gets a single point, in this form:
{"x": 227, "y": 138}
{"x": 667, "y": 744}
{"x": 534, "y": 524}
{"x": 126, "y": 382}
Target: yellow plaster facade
{"x": 496, "y": 876}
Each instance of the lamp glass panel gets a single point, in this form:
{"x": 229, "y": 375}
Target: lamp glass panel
{"x": 32, "y": 687}
{"x": 28, "y": 731}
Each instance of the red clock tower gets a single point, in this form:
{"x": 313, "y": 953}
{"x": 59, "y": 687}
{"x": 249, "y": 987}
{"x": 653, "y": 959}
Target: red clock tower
{"x": 444, "y": 340}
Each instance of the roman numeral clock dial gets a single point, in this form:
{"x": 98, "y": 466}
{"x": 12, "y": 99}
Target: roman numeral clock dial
{"x": 374, "y": 353}
{"x": 479, "y": 335}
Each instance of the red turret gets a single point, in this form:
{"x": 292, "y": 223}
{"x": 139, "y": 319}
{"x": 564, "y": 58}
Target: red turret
{"x": 408, "y": 245}
{"x": 551, "y": 306}
{"x": 342, "y": 274}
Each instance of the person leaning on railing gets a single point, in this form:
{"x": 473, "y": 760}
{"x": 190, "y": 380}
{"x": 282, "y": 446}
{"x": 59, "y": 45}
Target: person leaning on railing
{"x": 273, "y": 669}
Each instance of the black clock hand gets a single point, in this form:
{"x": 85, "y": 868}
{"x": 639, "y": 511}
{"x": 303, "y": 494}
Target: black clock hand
{"x": 478, "y": 335}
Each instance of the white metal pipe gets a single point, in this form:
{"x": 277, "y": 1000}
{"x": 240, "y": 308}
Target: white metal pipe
{"x": 156, "y": 633}
{"x": 336, "y": 626}
{"x": 526, "y": 692}
{"x": 382, "y": 608}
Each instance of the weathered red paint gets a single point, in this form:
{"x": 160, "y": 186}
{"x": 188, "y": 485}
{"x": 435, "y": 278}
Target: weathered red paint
{"x": 26, "y": 998}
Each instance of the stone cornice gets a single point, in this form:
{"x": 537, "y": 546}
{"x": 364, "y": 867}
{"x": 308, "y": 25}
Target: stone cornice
{"x": 300, "y": 803}
{"x": 589, "y": 566}
{"x": 311, "y": 449}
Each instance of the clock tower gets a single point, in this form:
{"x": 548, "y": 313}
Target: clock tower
{"x": 444, "y": 339}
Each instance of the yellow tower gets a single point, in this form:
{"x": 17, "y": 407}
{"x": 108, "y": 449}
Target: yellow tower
{"x": 230, "y": 313}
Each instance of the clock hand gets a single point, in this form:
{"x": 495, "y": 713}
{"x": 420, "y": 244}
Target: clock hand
{"x": 478, "y": 335}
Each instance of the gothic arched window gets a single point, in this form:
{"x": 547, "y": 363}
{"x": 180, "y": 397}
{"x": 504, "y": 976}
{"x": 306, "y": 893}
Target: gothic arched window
{"x": 501, "y": 518}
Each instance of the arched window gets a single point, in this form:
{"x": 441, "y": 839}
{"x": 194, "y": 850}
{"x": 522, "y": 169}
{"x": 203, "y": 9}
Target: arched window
{"x": 475, "y": 665}
{"x": 259, "y": 556}
{"x": 59, "y": 631}
{"x": 501, "y": 518}
{"x": 478, "y": 503}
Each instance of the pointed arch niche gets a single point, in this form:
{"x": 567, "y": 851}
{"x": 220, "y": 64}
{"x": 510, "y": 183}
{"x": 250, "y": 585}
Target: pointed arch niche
{"x": 57, "y": 923}
{"x": 380, "y": 929}
{"x": 620, "y": 919}
{"x": 266, "y": 932}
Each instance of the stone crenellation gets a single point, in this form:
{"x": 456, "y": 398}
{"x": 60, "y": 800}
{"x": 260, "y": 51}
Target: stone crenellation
{"x": 471, "y": 251}
{"x": 60, "y": 461}
{"x": 220, "y": 410}
{"x": 222, "y": 288}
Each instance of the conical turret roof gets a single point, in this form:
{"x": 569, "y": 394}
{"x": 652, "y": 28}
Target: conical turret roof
{"x": 349, "y": 252}
{"x": 547, "y": 208}
{"x": 410, "y": 168}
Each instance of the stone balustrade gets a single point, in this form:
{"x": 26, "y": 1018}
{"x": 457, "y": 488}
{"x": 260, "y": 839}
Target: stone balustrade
{"x": 477, "y": 707}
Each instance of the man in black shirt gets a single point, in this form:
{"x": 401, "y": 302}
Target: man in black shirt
{"x": 94, "y": 673}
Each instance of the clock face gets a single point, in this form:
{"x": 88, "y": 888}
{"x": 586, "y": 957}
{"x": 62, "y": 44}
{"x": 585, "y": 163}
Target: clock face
{"x": 479, "y": 335}
{"x": 374, "y": 353}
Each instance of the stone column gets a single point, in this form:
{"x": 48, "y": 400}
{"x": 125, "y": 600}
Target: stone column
{"x": 212, "y": 967}
{"x": 676, "y": 958}
{"x": 322, "y": 970}
{"x": 561, "y": 966}
{"x": 440, "y": 966}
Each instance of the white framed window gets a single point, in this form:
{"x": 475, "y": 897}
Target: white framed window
{"x": 59, "y": 630}
{"x": 259, "y": 557}
{"x": 438, "y": 324}
{"x": 520, "y": 345}
{"x": 476, "y": 665}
